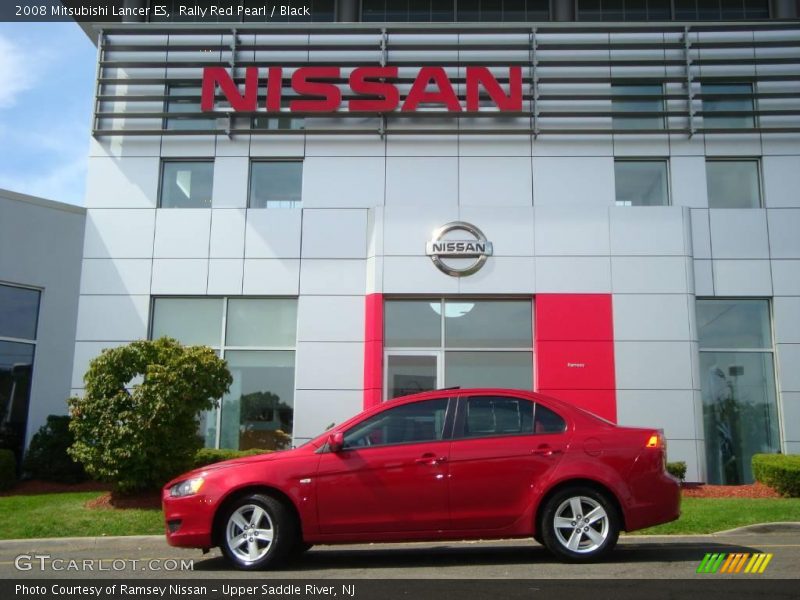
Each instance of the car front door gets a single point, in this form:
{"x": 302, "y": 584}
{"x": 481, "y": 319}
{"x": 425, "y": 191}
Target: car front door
{"x": 499, "y": 450}
{"x": 391, "y": 473}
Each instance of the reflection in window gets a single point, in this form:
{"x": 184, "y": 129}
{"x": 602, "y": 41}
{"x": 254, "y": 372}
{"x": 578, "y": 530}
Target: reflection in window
{"x": 488, "y": 369}
{"x": 410, "y": 374}
{"x": 276, "y": 184}
{"x": 717, "y": 10}
{"x": 186, "y": 184}
{"x": 624, "y": 10}
{"x": 728, "y": 98}
{"x": 488, "y": 324}
{"x": 279, "y": 123}
{"x": 423, "y": 11}
{"x": 733, "y": 184}
{"x": 641, "y": 182}
{"x": 738, "y": 386}
{"x": 258, "y": 343}
{"x": 185, "y": 99}
{"x": 19, "y": 312}
{"x": 409, "y": 423}
{"x": 637, "y": 99}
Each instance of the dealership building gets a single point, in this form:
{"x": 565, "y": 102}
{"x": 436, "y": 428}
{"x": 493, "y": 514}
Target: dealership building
{"x": 595, "y": 200}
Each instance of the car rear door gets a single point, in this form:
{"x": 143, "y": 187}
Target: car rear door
{"x": 391, "y": 475}
{"x": 496, "y": 457}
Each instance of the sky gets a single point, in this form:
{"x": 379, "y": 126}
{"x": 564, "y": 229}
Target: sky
{"x": 47, "y": 70}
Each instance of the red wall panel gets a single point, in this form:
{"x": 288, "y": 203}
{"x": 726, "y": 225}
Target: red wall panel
{"x": 373, "y": 349}
{"x": 574, "y": 350}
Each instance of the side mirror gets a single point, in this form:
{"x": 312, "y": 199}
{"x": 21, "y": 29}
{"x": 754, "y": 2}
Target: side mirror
{"x": 336, "y": 441}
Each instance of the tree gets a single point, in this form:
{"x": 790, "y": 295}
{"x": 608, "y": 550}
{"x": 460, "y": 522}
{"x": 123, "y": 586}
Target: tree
{"x": 140, "y": 435}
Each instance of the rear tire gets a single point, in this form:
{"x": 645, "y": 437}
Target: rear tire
{"x": 257, "y": 532}
{"x": 580, "y": 524}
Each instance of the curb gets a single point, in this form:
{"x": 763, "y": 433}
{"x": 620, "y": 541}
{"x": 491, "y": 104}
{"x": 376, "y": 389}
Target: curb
{"x": 779, "y": 527}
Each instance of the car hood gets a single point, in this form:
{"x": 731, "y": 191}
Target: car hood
{"x": 235, "y": 462}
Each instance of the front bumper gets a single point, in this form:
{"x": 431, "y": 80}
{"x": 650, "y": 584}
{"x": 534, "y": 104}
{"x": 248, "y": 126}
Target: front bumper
{"x": 189, "y": 520}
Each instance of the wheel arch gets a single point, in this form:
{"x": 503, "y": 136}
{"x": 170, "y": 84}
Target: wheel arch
{"x": 234, "y": 495}
{"x": 574, "y": 482}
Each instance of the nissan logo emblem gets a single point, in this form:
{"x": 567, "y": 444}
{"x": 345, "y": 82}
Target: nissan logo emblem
{"x": 439, "y": 249}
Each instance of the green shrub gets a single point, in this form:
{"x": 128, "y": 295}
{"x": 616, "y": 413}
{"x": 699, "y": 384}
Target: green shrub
{"x": 781, "y": 472}
{"x": 8, "y": 469}
{"x": 207, "y": 456}
{"x": 141, "y": 437}
{"x": 47, "y": 457}
{"x": 677, "y": 469}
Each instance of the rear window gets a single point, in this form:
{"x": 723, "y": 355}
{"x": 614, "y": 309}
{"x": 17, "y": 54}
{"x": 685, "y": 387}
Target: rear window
{"x": 546, "y": 421}
{"x": 497, "y": 415}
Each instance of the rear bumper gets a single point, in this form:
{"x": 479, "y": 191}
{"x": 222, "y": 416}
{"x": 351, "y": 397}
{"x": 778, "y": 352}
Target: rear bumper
{"x": 188, "y": 521}
{"x": 660, "y": 503}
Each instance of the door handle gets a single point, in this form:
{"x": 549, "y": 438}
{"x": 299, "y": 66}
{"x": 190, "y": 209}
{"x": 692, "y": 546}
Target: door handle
{"x": 546, "y": 450}
{"x": 429, "y": 458}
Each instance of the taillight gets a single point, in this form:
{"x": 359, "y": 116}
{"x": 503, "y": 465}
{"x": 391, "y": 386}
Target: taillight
{"x": 657, "y": 441}
{"x": 654, "y": 441}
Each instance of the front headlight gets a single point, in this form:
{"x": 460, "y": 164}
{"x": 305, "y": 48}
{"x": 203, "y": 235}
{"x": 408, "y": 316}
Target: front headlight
{"x": 186, "y": 488}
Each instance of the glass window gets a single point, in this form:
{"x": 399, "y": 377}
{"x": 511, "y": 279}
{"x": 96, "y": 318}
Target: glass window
{"x": 265, "y": 323}
{"x": 191, "y": 321}
{"x": 488, "y": 324}
{"x": 19, "y": 312}
{"x": 412, "y": 323}
{"x": 637, "y": 99}
{"x": 733, "y": 184}
{"x": 624, "y": 10}
{"x": 727, "y": 97}
{"x": 186, "y": 99}
{"x": 275, "y": 184}
{"x": 546, "y": 421}
{"x": 282, "y": 122}
{"x": 489, "y": 369}
{"x": 497, "y": 415}
{"x": 641, "y": 182}
{"x": 257, "y": 412}
{"x": 410, "y": 374}
{"x": 409, "y": 423}
{"x": 16, "y": 371}
{"x": 738, "y": 386}
{"x": 733, "y": 324}
{"x": 186, "y": 184}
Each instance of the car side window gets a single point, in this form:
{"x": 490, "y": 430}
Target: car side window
{"x": 497, "y": 415}
{"x": 416, "y": 422}
{"x": 546, "y": 421}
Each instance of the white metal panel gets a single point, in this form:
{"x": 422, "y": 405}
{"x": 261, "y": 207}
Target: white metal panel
{"x": 225, "y": 276}
{"x": 130, "y": 182}
{"x": 739, "y": 233}
{"x": 116, "y": 276}
{"x": 227, "y": 233}
{"x": 688, "y": 181}
{"x": 315, "y": 410}
{"x": 343, "y": 182}
{"x": 649, "y": 275}
{"x": 335, "y": 233}
{"x": 180, "y": 276}
{"x": 786, "y": 277}
{"x": 573, "y": 275}
{"x": 670, "y": 410}
{"x": 788, "y": 373}
{"x": 406, "y": 229}
{"x": 653, "y": 365}
{"x": 330, "y": 365}
{"x": 790, "y": 402}
{"x": 182, "y": 233}
{"x": 119, "y": 233}
{"x": 781, "y": 180}
{"x": 509, "y": 228}
{"x": 116, "y": 318}
{"x": 578, "y": 180}
{"x": 787, "y": 319}
{"x": 230, "y": 186}
{"x": 502, "y": 275}
{"x": 701, "y": 233}
{"x": 648, "y": 230}
{"x": 784, "y": 232}
{"x": 571, "y": 230}
{"x": 273, "y": 233}
{"x": 742, "y": 278}
{"x": 649, "y": 317}
{"x": 495, "y": 181}
{"x": 271, "y": 277}
{"x": 415, "y": 275}
{"x": 330, "y": 319}
{"x": 333, "y": 277}
{"x": 421, "y": 181}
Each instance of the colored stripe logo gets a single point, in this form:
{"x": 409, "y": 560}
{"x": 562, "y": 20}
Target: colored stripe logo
{"x": 734, "y": 563}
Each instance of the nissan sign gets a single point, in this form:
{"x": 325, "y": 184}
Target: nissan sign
{"x": 440, "y": 248}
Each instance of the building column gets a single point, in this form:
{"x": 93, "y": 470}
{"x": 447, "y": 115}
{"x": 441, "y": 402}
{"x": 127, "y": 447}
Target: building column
{"x": 563, "y": 10}
{"x": 347, "y": 11}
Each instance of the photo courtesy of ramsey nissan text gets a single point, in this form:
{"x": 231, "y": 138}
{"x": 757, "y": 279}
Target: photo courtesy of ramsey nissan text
{"x": 389, "y": 299}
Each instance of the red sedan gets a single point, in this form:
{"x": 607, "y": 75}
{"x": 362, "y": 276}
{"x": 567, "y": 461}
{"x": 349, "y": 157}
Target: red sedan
{"x": 449, "y": 464}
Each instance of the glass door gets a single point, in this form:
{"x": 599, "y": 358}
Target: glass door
{"x": 411, "y": 372}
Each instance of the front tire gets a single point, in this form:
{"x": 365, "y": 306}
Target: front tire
{"x": 256, "y": 532}
{"x": 580, "y": 524}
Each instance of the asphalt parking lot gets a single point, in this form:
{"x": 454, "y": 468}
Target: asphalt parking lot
{"x": 636, "y": 557}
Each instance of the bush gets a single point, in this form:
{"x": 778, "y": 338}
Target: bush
{"x": 781, "y": 472}
{"x": 47, "y": 457}
{"x": 207, "y": 456}
{"x": 8, "y": 469}
{"x": 139, "y": 438}
{"x": 677, "y": 469}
